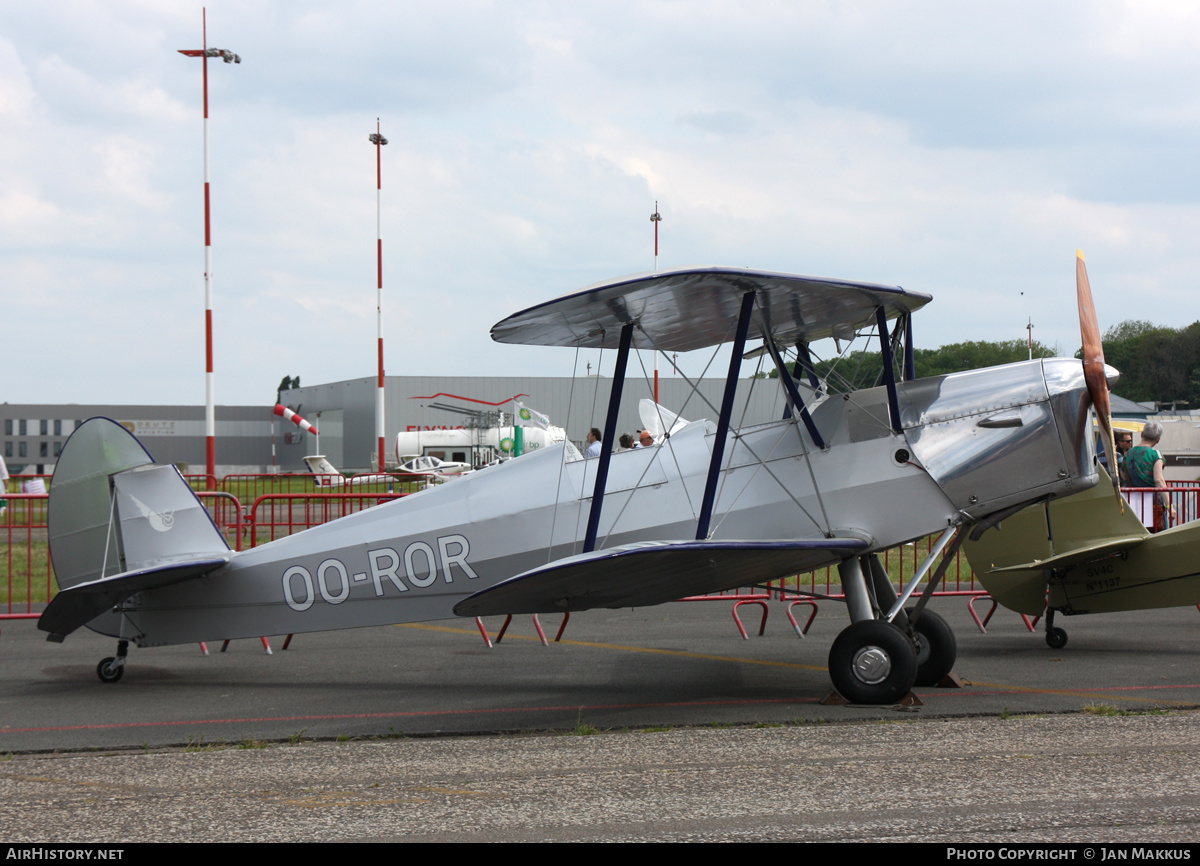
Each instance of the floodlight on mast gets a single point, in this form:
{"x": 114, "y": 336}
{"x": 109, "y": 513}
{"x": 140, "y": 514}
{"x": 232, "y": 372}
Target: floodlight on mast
{"x": 210, "y": 412}
{"x": 379, "y": 141}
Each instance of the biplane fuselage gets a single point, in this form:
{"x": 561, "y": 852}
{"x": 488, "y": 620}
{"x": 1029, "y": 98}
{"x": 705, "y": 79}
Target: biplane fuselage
{"x": 847, "y": 475}
{"x": 414, "y": 559}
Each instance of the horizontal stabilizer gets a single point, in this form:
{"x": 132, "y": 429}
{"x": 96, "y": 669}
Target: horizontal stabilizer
{"x": 82, "y": 603}
{"x": 1079, "y": 555}
{"x": 647, "y": 573}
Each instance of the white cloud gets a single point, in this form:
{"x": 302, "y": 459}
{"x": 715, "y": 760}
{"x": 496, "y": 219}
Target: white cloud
{"x": 960, "y": 149}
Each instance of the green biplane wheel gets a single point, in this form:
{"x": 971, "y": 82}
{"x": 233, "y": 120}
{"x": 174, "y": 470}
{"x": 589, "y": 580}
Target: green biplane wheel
{"x": 1056, "y": 638}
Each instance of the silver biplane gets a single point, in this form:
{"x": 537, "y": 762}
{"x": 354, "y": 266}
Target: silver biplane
{"x": 837, "y": 479}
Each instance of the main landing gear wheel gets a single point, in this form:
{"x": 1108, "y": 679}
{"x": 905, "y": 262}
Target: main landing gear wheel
{"x": 873, "y": 662}
{"x": 1056, "y": 638}
{"x": 109, "y": 670}
{"x": 937, "y": 647}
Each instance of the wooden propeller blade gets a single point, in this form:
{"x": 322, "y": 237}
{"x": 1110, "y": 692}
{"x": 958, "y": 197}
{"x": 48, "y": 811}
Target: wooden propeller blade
{"x": 1093, "y": 364}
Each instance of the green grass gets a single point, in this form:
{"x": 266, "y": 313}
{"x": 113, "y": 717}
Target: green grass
{"x": 1110, "y": 710}
{"x": 582, "y": 728}
{"x": 247, "y": 490}
{"x": 24, "y": 571}
{"x": 195, "y": 743}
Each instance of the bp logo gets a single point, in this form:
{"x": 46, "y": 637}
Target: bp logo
{"x": 524, "y": 414}
{"x": 507, "y": 445}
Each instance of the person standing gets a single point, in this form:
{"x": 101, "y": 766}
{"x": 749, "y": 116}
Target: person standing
{"x": 594, "y": 440}
{"x": 1143, "y": 467}
{"x": 1124, "y": 444}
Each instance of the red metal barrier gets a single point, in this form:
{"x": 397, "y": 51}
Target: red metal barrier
{"x": 276, "y": 515}
{"x": 27, "y": 480}
{"x": 26, "y": 561}
{"x": 249, "y": 486}
{"x": 227, "y": 513}
{"x": 1185, "y": 500}
{"x": 807, "y": 590}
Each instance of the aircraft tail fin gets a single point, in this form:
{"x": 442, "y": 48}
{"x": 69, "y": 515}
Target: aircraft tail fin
{"x": 326, "y": 473}
{"x": 112, "y": 509}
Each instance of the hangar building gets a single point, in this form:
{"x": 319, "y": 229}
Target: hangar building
{"x": 32, "y": 435}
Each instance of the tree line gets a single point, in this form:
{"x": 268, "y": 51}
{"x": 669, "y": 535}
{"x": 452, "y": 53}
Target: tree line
{"x": 864, "y": 368}
{"x": 1156, "y": 363}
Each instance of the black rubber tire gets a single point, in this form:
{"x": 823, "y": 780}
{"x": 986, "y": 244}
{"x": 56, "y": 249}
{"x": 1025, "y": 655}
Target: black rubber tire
{"x": 889, "y": 647}
{"x": 108, "y": 671}
{"x": 1056, "y": 638}
{"x": 937, "y": 647}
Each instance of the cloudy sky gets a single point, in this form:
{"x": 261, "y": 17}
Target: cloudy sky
{"x": 959, "y": 149}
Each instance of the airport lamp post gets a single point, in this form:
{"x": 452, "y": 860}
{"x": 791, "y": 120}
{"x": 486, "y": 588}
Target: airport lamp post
{"x": 379, "y": 141}
{"x": 210, "y": 411}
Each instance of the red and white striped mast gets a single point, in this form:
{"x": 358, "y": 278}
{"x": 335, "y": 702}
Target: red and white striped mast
{"x": 656, "y": 218}
{"x": 210, "y": 411}
{"x": 379, "y": 141}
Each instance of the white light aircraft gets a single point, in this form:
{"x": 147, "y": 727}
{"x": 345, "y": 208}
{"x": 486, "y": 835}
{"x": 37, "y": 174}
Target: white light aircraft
{"x": 326, "y": 475}
{"x": 434, "y": 466}
{"x": 836, "y": 480}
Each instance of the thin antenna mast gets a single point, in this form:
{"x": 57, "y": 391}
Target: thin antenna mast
{"x": 656, "y": 218}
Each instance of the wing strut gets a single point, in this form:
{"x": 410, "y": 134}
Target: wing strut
{"x": 793, "y": 393}
{"x": 610, "y": 431}
{"x": 889, "y": 368}
{"x": 910, "y": 365}
{"x": 718, "y": 452}
{"x": 804, "y": 359}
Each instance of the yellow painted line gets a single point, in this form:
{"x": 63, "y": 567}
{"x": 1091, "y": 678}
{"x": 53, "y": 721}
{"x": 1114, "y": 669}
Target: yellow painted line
{"x": 625, "y": 648}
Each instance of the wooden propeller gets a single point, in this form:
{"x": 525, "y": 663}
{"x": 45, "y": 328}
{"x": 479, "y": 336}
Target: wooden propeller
{"x": 1093, "y": 365}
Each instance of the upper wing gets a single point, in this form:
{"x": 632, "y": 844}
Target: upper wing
{"x": 690, "y": 308}
{"x": 646, "y": 573}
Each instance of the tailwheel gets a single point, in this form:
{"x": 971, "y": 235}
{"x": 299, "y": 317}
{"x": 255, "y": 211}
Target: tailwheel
{"x": 873, "y": 662}
{"x": 1056, "y": 638}
{"x": 110, "y": 669}
{"x": 937, "y": 647}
